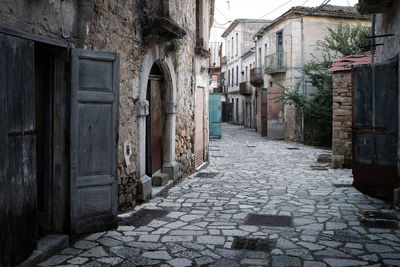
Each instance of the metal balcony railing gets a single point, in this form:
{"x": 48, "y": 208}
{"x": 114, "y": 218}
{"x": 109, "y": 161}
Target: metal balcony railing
{"x": 275, "y": 63}
{"x": 257, "y": 77}
{"x": 245, "y": 88}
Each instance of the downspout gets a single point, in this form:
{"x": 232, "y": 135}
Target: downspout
{"x": 303, "y": 84}
{"x": 372, "y": 48}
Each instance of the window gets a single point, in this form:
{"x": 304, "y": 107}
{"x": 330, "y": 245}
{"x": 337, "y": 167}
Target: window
{"x": 246, "y": 78}
{"x": 237, "y": 43}
{"x": 233, "y": 77}
{"x": 259, "y": 57}
{"x": 232, "y": 48}
{"x": 237, "y": 75}
{"x": 227, "y": 49}
{"x": 265, "y": 50}
{"x": 229, "y": 77}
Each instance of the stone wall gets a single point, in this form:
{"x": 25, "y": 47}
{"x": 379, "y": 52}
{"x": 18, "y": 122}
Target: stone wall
{"x": 342, "y": 119}
{"x": 115, "y": 26}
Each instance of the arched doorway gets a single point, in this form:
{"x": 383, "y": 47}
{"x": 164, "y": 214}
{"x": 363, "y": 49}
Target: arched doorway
{"x": 156, "y": 120}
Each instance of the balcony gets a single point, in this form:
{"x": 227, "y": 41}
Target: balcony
{"x": 275, "y": 63}
{"x": 257, "y": 77}
{"x": 157, "y": 24}
{"x": 245, "y": 88}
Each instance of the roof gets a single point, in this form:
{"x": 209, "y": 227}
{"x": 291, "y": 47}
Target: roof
{"x": 237, "y": 21}
{"x": 326, "y": 11}
{"x": 345, "y": 64}
{"x": 248, "y": 53}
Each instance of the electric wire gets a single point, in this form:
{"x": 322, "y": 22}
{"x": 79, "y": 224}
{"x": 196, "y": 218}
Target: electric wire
{"x": 222, "y": 14}
{"x": 275, "y": 9}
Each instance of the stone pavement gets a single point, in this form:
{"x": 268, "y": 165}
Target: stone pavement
{"x": 207, "y": 216}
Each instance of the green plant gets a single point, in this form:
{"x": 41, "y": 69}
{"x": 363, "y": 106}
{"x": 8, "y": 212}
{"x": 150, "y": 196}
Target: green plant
{"x": 173, "y": 47}
{"x": 341, "y": 41}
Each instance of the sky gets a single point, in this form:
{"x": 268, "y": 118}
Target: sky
{"x": 229, "y": 10}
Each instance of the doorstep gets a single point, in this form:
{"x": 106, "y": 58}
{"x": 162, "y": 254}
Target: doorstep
{"x": 46, "y": 247}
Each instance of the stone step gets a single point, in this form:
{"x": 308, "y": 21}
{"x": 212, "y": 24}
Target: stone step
{"x": 160, "y": 179}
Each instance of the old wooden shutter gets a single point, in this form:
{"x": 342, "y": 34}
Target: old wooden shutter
{"x": 94, "y": 126}
{"x": 17, "y": 150}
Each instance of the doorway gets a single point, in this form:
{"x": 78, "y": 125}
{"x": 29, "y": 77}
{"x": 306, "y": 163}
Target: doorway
{"x": 154, "y": 123}
{"x": 44, "y": 85}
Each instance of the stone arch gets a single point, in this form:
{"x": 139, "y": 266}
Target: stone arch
{"x": 156, "y": 55}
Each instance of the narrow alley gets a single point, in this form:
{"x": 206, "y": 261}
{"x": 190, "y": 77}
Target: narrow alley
{"x": 214, "y": 217}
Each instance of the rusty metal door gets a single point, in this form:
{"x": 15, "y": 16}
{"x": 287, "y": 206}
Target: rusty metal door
{"x": 155, "y": 122}
{"x": 375, "y": 118}
{"x": 275, "y": 121}
{"x": 215, "y": 115}
{"x": 199, "y": 127}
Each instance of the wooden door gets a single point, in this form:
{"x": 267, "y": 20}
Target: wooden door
{"x": 94, "y": 144}
{"x": 17, "y": 150}
{"x": 156, "y": 125}
{"x": 275, "y": 118}
{"x": 199, "y": 127}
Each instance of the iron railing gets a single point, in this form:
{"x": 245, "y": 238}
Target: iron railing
{"x": 257, "y": 77}
{"x": 245, "y": 88}
{"x": 275, "y": 63}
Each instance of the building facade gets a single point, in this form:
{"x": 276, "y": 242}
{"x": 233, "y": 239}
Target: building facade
{"x": 238, "y": 40}
{"x": 81, "y": 89}
{"x": 247, "y": 90}
{"x": 279, "y": 58}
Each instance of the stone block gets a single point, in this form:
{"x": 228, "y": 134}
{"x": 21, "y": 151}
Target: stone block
{"x": 160, "y": 179}
{"x": 144, "y": 188}
{"x": 337, "y": 161}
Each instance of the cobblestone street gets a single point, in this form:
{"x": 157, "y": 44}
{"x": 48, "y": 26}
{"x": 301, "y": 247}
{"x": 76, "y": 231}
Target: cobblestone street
{"x": 207, "y": 219}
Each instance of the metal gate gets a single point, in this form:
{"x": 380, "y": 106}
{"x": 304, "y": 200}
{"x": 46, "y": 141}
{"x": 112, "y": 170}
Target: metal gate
{"x": 375, "y": 118}
{"x": 215, "y": 115}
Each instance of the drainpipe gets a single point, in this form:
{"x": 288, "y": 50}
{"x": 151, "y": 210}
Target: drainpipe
{"x": 372, "y": 48}
{"x": 303, "y": 84}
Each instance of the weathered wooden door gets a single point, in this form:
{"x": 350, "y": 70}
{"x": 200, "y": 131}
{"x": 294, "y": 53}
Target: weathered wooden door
{"x": 215, "y": 115}
{"x": 17, "y": 150}
{"x": 262, "y": 111}
{"x": 199, "y": 127}
{"x": 155, "y": 124}
{"x": 375, "y": 118}
{"x": 275, "y": 121}
{"x": 94, "y": 144}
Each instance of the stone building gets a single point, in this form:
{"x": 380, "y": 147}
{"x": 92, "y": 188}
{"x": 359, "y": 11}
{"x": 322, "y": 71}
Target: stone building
{"x": 342, "y": 108}
{"x": 247, "y": 90}
{"x": 97, "y": 96}
{"x": 279, "y": 57}
{"x": 238, "y": 39}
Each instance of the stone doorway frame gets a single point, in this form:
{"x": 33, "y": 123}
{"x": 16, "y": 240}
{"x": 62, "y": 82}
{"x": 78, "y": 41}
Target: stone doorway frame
{"x": 156, "y": 55}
